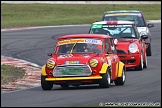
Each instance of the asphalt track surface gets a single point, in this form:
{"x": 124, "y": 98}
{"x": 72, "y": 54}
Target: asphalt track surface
{"x": 33, "y": 45}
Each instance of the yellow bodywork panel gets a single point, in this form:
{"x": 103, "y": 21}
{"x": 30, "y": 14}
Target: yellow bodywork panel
{"x": 44, "y": 71}
{"x": 104, "y": 68}
{"x": 73, "y": 78}
{"x": 120, "y": 70}
{"x": 117, "y": 68}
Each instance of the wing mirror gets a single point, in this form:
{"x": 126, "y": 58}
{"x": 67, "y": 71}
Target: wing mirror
{"x": 49, "y": 54}
{"x": 150, "y": 25}
{"x": 108, "y": 53}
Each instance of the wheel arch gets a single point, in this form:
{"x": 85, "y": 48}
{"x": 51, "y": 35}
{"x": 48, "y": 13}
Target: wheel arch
{"x": 121, "y": 67}
{"x": 104, "y": 68}
{"x": 44, "y": 70}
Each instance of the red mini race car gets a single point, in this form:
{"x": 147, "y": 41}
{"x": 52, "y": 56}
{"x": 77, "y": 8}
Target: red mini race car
{"x": 130, "y": 45}
{"x": 81, "y": 59}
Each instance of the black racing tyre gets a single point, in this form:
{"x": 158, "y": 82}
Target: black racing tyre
{"x": 148, "y": 50}
{"x": 121, "y": 80}
{"x": 46, "y": 85}
{"x": 105, "y": 81}
{"x": 140, "y": 67}
{"x": 145, "y": 62}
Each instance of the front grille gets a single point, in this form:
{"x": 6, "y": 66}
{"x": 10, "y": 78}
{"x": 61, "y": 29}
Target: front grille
{"x": 121, "y": 52}
{"x": 128, "y": 61}
{"x": 122, "y": 56}
{"x": 124, "y": 61}
{"x": 131, "y": 61}
{"x": 72, "y": 70}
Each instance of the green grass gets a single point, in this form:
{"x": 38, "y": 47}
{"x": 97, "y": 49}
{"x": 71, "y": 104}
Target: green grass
{"x": 20, "y": 15}
{"x": 10, "y": 73}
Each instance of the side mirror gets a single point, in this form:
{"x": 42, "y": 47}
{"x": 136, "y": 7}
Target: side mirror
{"x": 49, "y": 54}
{"x": 150, "y": 25}
{"x": 144, "y": 37}
{"x": 109, "y": 53}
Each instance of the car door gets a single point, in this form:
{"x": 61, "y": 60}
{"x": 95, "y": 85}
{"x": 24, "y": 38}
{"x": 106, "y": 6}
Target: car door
{"x": 112, "y": 57}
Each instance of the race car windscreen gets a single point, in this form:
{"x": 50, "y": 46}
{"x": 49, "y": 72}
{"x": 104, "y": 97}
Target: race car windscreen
{"x": 115, "y": 31}
{"x": 135, "y": 17}
{"x": 82, "y": 45}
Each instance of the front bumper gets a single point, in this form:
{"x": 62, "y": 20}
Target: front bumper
{"x": 74, "y": 78}
{"x": 130, "y": 60}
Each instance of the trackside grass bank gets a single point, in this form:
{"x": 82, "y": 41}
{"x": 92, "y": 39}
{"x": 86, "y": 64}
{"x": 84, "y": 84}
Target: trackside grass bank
{"x": 10, "y": 73}
{"x": 20, "y": 15}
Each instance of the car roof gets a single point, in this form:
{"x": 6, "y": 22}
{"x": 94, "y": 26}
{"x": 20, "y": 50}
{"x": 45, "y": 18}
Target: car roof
{"x": 84, "y": 36}
{"x": 114, "y": 22}
{"x": 122, "y": 11}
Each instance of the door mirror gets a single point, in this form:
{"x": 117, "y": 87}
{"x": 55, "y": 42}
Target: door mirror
{"x": 49, "y": 54}
{"x": 109, "y": 53}
{"x": 150, "y": 25}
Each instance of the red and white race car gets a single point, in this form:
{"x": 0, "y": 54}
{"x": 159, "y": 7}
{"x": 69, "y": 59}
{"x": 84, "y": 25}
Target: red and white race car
{"x": 130, "y": 45}
{"x": 81, "y": 59}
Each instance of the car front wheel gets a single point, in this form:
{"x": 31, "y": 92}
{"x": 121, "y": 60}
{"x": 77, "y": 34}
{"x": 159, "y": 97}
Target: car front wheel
{"x": 46, "y": 85}
{"x": 148, "y": 50}
{"x": 140, "y": 67}
{"x": 145, "y": 62}
{"x": 105, "y": 81}
{"x": 121, "y": 80}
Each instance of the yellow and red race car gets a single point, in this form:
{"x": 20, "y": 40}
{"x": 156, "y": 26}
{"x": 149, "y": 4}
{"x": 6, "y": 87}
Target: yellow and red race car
{"x": 81, "y": 59}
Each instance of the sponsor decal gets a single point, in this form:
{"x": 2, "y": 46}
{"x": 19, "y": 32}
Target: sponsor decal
{"x": 92, "y": 41}
{"x": 70, "y": 41}
{"x": 66, "y": 55}
{"x": 97, "y": 26}
{"x": 72, "y": 62}
{"x": 124, "y": 14}
{"x": 86, "y": 56}
{"x": 117, "y": 26}
{"x": 72, "y": 71}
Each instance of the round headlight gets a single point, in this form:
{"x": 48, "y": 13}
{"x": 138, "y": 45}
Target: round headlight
{"x": 93, "y": 62}
{"x": 143, "y": 33}
{"x": 50, "y": 64}
{"x": 133, "y": 47}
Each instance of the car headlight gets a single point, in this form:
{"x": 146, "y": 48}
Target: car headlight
{"x": 93, "y": 63}
{"x": 50, "y": 64}
{"x": 143, "y": 33}
{"x": 133, "y": 47}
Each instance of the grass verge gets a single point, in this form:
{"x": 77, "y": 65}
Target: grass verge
{"x": 10, "y": 73}
{"x": 20, "y": 15}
